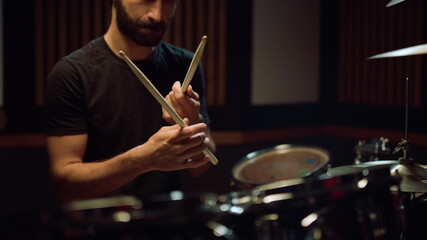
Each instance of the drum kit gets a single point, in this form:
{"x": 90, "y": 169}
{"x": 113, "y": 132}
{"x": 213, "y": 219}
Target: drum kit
{"x": 286, "y": 192}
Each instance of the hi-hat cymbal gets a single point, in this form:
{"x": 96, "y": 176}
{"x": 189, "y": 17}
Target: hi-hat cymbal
{"x": 394, "y": 2}
{"x": 415, "y": 50}
{"x": 413, "y": 177}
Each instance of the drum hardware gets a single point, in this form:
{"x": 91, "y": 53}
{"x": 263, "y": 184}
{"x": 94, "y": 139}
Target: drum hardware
{"x": 375, "y": 150}
{"x": 357, "y": 205}
{"x": 220, "y": 230}
{"x": 414, "y": 177}
{"x": 174, "y": 215}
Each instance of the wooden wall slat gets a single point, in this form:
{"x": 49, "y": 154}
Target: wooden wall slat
{"x": 97, "y": 18}
{"x": 381, "y": 47}
{"x": 85, "y": 23}
{"x": 70, "y": 24}
{"x": 211, "y": 50}
{"x": 51, "y": 42}
{"x": 222, "y": 56}
{"x": 193, "y": 19}
{"x": 62, "y": 29}
{"x": 189, "y": 25}
{"x": 73, "y": 28}
{"x": 368, "y": 28}
{"x": 39, "y": 40}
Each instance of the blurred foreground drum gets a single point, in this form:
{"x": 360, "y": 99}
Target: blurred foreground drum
{"x": 411, "y": 191}
{"x": 279, "y": 163}
{"x": 174, "y": 215}
{"x": 357, "y": 205}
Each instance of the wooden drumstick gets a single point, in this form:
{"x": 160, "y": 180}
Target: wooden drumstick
{"x": 194, "y": 63}
{"x": 150, "y": 87}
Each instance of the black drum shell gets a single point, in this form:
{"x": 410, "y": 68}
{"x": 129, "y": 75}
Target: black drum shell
{"x": 359, "y": 205}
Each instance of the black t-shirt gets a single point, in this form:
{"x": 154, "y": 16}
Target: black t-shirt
{"x": 94, "y": 91}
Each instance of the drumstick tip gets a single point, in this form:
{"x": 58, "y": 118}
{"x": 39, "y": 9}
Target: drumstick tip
{"x": 204, "y": 37}
{"x": 122, "y": 54}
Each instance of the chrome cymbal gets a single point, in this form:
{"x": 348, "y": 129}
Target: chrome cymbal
{"x": 413, "y": 177}
{"x": 394, "y": 2}
{"x": 415, "y": 50}
{"x": 350, "y": 169}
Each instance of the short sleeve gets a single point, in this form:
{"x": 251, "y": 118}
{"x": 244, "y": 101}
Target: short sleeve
{"x": 64, "y": 101}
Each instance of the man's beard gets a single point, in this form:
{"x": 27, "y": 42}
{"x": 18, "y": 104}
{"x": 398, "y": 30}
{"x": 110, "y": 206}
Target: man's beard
{"x": 144, "y": 33}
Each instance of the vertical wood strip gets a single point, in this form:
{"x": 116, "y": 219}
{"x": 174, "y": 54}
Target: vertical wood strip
{"x": 357, "y": 81}
{"x": 74, "y": 30}
{"x": 372, "y": 75}
{"x": 392, "y": 43}
{"x": 416, "y": 62}
{"x": 107, "y": 15}
{"x": 39, "y": 51}
{"x": 85, "y": 23}
{"x": 176, "y": 27}
{"x": 381, "y": 47}
{"x": 97, "y": 18}
{"x": 211, "y": 52}
{"x": 368, "y": 28}
{"x": 188, "y": 25}
{"x": 342, "y": 53}
{"x": 63, "y": 26}
{"x": 222, "y": 55}
{"x": 51, "y": 34}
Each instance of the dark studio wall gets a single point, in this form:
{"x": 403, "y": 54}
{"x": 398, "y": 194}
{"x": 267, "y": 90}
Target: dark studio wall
{"x": 25, "y": 115}
{"x": 341, "y": 102}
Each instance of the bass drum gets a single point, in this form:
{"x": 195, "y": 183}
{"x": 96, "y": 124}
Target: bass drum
{"x": 174, "y": 215}
{"x": 277, "y": 163}
{"x": 356, "y": 205}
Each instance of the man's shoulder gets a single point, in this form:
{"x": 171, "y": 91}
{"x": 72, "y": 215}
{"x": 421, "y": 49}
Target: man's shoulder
{"x": 79, "y": 61}
{"x": 173, "y": 50}
{"x": 93, "y": 48}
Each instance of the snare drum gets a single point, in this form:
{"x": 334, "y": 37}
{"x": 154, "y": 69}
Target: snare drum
{"x": 357, "y": 205}
{"x": 277, "y": 163}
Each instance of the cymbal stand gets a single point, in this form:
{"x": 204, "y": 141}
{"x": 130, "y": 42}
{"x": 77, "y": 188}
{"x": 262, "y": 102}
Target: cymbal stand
{"x": 412, "y": 175}
{"x": 404, "y": 143}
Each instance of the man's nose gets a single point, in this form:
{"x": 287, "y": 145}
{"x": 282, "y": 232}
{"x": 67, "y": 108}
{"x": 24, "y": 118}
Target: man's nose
{"x": 155, "y": 11}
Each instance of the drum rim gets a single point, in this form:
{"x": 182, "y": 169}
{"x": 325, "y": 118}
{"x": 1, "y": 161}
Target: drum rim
{"x": 347, "y": 179}
{"x": 353, "y": 168}
{"x": 250, "y": 156}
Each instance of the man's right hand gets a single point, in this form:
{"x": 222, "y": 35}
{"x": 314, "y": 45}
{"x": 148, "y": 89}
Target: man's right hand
{"x": 174, "y": 148}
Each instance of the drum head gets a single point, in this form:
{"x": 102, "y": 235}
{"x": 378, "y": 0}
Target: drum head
{"x": 281, "y": 162}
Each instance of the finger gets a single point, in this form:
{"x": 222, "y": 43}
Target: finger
{"x": 186, "y": 121}
{"x": 192, "y": 94}
{"x": 190, "y": 152}
{"x": 173, "y": 99}
{"x": 193, "y": 141}
{"x": 187, "y": 132}
{"x": 164, "y": 112}
{"x": 176, "y": 89}
{"x": 168, "y": 98}
{"x": 197, "y": 163}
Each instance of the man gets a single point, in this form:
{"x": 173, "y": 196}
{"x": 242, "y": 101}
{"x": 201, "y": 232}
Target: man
{"x": 106, "y": 133}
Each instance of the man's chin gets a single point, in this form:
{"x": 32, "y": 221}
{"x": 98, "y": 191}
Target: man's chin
{"x": 147, "y": 42}
{"x": 151, "y": 41}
